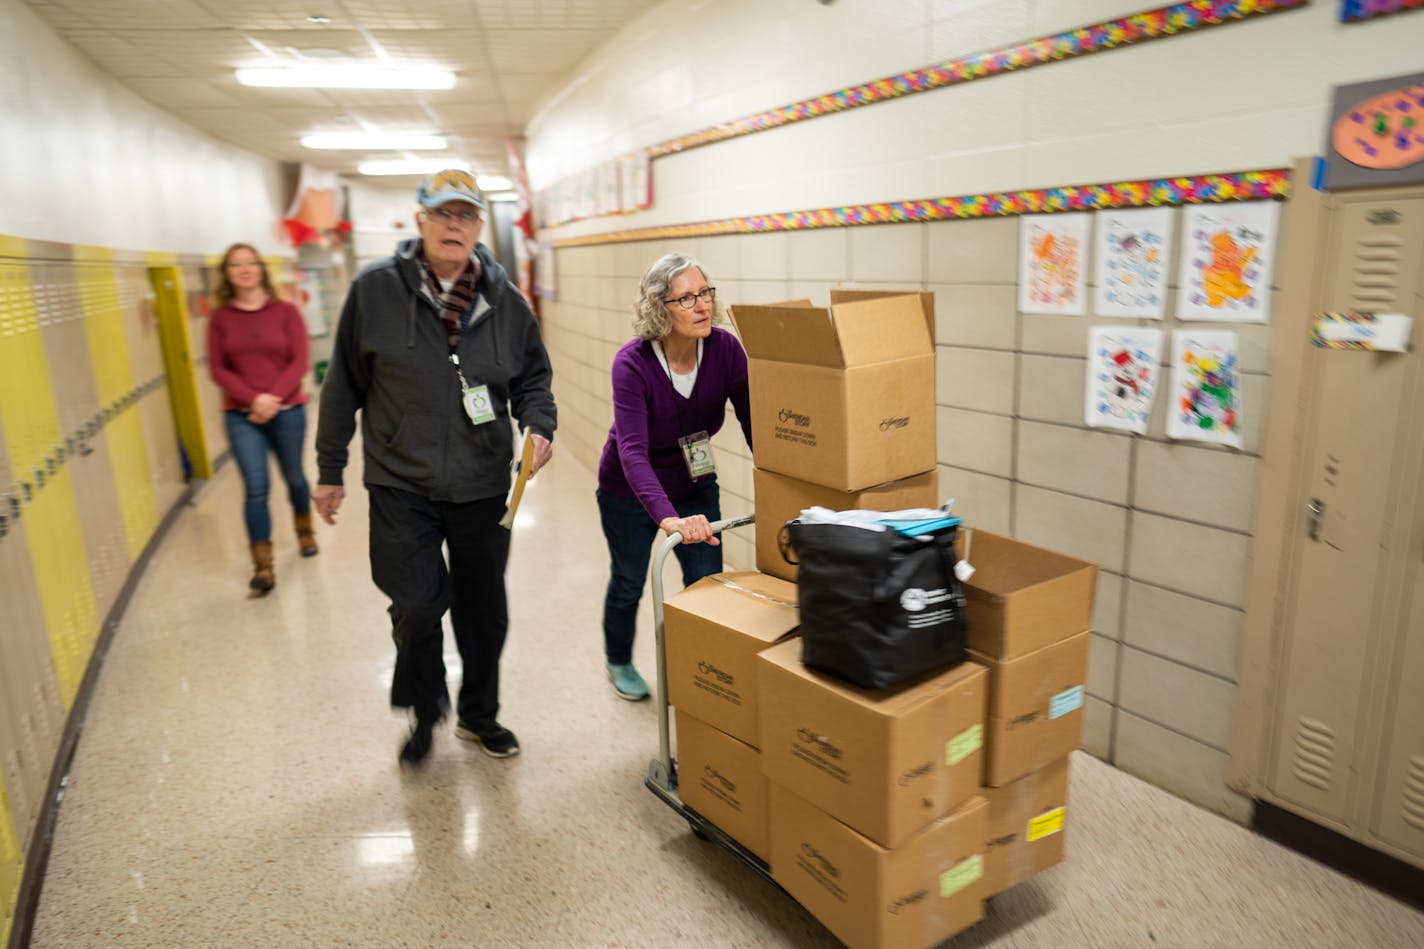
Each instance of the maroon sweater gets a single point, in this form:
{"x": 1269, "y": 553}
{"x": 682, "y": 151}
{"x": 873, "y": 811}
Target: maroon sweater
{"x": 255, "y": 351}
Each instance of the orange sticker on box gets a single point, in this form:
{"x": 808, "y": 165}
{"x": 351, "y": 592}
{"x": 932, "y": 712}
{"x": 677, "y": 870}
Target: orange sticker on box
{"x": 1045, "y": 824}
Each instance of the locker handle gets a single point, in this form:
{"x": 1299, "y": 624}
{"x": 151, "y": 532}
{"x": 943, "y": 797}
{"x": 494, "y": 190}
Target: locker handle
{"x": 1317, "y": 514}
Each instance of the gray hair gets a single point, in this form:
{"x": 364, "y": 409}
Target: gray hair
{"x": 650, "y": 317}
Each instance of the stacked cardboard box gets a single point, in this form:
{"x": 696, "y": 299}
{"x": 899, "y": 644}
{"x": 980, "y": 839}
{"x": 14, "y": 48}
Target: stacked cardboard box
{"x": 1029, "y": 611}
{"x": 876, "y": 824}
{"x": 713, "y": 632}
{"x": 891, "y": 815}
{"x": 843, "y": 408}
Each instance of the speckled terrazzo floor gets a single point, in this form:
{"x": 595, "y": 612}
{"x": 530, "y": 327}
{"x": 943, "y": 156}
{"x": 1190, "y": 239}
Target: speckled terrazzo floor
{"x": 236, "y": 785}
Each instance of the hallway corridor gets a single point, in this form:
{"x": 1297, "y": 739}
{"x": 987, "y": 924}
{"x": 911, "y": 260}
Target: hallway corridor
{"x": 236, "y": 784}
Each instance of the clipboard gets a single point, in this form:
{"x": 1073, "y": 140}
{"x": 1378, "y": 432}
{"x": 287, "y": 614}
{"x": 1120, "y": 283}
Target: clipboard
{"x": 521, "y": 466}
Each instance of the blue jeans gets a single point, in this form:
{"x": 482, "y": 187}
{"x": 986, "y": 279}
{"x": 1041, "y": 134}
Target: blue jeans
{"x": 630, "y": 532}
{"x": 283, "y": 435}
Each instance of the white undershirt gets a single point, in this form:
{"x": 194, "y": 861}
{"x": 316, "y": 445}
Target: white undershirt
{"x": 682, "y": 383}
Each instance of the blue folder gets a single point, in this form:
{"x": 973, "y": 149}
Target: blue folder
{"x": 918, "y": 527}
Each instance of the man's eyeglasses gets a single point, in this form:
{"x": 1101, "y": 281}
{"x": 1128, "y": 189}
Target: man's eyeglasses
{"x": 454, "y": 217}
{"x": 689, "y": 300}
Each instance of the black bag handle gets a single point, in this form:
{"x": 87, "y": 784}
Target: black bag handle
{"x": 783, "y": 544}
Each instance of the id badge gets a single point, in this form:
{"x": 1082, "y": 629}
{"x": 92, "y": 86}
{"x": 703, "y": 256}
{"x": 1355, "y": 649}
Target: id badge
{"x": 697, "y": 452}
{"x": 477, "y": 404}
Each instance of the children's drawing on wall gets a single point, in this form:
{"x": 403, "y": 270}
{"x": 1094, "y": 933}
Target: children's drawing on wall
{"x": 1227, "y": 255}
{"x": 1052, "y": 248}
{"x": 1206, "y": 388}
{"x": 1133, "y": 250}
{"x": 1122, "y": 376}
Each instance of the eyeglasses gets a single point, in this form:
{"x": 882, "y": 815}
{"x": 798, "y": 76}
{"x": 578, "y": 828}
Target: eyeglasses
{"x": 454, "y": 217}
{"x": 689, "y": 300}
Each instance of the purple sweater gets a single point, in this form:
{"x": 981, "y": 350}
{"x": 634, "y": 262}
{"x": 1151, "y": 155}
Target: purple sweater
{"x": 641, "y": 458}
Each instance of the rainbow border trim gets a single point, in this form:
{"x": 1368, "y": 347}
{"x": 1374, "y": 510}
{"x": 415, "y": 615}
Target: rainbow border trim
{"x": 1194, "y": 189}
{"x": 1357, "y": 11}
{"x": 1124, "y": 31}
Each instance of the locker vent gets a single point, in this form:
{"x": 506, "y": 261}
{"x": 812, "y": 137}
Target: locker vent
{"x": 1314, "y": 754}
{"x": 1374, "y": 281}
{"x": 1412, "y": 803}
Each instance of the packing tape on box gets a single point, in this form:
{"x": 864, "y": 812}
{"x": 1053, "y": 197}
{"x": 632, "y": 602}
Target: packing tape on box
{"x": 760, "y": 596}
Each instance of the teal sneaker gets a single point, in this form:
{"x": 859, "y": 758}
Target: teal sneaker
{"x": 627, "y": 683}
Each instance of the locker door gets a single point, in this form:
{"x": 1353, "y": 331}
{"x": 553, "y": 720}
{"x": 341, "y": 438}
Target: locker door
{"x": 1342, "y": 570}
{"x": 1397, "y": 817}
{"x": 1399, "y": 806}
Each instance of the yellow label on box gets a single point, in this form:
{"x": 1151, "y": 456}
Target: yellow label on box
{"x": 1045, "y": 824}
{"x": 961, "y": 875}
{"x": 964, "y": 744}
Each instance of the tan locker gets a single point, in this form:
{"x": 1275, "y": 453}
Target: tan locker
{"x": 1330, "y": 716}
{"x": 1352, "y": 464}
{"x": 1398, "y": 809}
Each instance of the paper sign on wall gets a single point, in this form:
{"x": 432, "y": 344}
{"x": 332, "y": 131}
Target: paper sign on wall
{"x": 1052, "y": 249}
{"x": 1206, "y": 388}
{"x": 1370, "y": 332}
{"x": 1122, "y": 377}
{"x": 1228, "y": 252}
{"x": 1134, "y": 249}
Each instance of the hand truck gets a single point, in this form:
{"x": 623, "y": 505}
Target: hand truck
{"x": 662, "y": 770}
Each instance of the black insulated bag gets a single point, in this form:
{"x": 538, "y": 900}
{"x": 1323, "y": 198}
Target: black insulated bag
{"x": 877, "y": 607}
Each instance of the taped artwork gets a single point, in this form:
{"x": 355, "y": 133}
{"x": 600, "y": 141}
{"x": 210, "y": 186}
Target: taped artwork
{"x": 1051, "y": 252}
{"x": 1122, "y": 377}
{"x": 1206, "y": 388}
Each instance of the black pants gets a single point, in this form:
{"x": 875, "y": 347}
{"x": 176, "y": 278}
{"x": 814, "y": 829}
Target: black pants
{"x": 408, "y": 566}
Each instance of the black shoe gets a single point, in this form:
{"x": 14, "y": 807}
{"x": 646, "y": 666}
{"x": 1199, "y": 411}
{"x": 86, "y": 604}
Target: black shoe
{"x": 494, "y": 740}
{"x": 417, "y": 746}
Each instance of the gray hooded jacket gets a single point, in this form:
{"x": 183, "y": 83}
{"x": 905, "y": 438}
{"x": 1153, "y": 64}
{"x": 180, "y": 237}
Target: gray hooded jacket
{"x": 391, "y": 360}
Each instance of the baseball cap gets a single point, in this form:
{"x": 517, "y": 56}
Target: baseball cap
{"x": 452, "y": 184}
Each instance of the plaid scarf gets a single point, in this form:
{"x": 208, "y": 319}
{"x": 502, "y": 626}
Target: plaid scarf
{"x": 457, "y": 303}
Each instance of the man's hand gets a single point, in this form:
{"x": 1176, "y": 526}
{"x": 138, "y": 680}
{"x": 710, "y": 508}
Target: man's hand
{"x": 543, "y": 451}
{"x": 326, "y": 498}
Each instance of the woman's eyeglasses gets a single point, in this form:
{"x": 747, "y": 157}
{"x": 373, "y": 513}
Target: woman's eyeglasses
{"x": 454, "y": 217}
{"x": 689, "y": 300}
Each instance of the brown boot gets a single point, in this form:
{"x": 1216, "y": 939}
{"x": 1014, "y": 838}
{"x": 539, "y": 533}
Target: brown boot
{"x": 306, "y": 535}
{"x": 263, "y": 579}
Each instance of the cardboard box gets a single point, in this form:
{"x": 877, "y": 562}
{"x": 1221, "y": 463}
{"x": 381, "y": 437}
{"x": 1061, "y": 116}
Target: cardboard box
{"x": 720, "y": 778}
{"x": 780, "y": 498}
{"x": 1027, "y": 820}
{"x": 885, "y": 762}
{"x": 843, "y": 397}
{"x": 713, "y": 631}
{"x": 1023, "y": 597}
{"x": 1035, "y": 711}
{"x": 915, "y": 896}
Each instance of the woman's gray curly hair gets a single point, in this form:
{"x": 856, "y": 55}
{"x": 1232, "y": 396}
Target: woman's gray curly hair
{"x": 650, "y": 316}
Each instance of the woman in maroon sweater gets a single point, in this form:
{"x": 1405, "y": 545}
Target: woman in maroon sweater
{"x": 257, "y": 353}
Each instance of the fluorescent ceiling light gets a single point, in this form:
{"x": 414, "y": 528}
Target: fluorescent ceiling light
{"x": 373, "y": 141}
{"x": 493, "y": 183}
{"x": 346, "y": 77}
{"x": 410, "y": 166}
